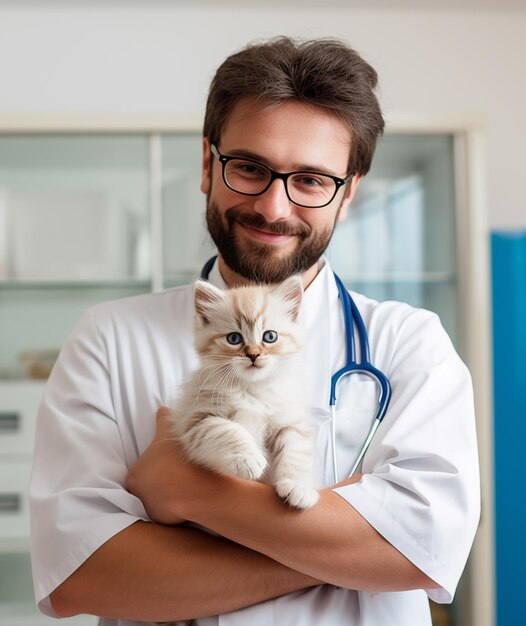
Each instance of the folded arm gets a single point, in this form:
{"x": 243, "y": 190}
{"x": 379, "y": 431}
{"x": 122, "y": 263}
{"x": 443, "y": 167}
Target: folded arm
{"x": 161, "y": 571}
{"x": 150, "y": 572}
{"x": 330, "y": 542}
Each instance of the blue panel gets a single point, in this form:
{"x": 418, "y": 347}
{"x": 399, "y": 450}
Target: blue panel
{"x": 509, "y": 357}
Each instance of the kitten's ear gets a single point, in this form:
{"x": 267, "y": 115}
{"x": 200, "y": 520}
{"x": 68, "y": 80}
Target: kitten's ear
{"x": 291, "y": 291}
{"x": 205, "y": 297}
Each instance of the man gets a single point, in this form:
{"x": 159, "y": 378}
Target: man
{"x": 108, "y": 494}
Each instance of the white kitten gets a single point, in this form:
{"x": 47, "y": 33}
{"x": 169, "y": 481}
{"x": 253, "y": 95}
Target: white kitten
{"x": 242, "y": 412}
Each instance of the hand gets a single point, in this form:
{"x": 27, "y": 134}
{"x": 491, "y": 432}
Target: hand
{"x": 162, "y": 479}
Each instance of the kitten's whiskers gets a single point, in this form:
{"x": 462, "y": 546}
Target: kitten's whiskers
{"x": 217, "y": 394}
{"x": 214, "y": 370}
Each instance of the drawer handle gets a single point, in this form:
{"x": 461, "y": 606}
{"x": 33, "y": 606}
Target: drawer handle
{"x": 10, "y": 503}
{"x": 9, "y": 422}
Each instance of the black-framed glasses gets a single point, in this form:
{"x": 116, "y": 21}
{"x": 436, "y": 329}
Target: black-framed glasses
{"x": 312, "y": 190}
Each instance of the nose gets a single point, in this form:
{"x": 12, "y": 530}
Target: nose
{"x": 274, "y": 204}
{"x": 252, "y": 353}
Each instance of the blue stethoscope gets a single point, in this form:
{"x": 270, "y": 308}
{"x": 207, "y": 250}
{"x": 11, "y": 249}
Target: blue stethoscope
{"x": 353, "y": 320}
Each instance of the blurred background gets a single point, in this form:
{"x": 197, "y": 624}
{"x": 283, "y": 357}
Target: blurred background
{"x": 101, "y": 107}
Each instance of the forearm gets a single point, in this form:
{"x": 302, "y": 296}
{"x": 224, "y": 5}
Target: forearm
{"x": 150, "y": 572}
{"x": 330, "y": 542}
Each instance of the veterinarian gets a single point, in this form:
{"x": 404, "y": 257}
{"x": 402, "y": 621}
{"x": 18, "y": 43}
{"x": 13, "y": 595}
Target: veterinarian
{"x": 109, "y": 489}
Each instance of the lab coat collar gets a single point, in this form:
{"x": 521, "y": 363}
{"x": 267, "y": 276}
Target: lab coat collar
{"x": 319, "y": 298}
{"x": 320, "y": 313}
{"x": 215, "y": 277}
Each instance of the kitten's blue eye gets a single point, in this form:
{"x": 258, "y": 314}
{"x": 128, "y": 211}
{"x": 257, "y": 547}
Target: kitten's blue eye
{"x": 234, "y": 339}
{"x": 270, "y": 336}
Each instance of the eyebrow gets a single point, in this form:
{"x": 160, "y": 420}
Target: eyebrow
{"x": 298, "y": 167}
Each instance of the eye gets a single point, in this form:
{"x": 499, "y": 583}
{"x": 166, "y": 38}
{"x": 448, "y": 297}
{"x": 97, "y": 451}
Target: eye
{"x": 247, "y": 169}
{"x": 270, "y": 336}
{"x": 305, "y": 181}
{"x": 234, "y": 339}
{"x": 308, "y": 181}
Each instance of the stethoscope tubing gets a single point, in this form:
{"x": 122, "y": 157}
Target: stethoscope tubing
{"x": 352, "y": 319}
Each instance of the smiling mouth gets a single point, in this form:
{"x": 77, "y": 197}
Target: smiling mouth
{"x": 265, "y": 236}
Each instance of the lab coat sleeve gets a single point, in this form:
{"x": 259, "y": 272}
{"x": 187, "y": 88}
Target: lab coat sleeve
{"x": 420, "y": 488}
{"x": 77, "y": 496}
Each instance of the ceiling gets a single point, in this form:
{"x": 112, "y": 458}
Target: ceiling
{"x": 439, "y": 5}
{"x": 420, "y": 5}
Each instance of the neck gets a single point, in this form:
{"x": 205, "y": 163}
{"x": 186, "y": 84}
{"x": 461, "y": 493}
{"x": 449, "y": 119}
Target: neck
{"x": 233, "y": 279}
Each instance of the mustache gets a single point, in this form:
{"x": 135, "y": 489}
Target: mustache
{"x": 256, "y": 220}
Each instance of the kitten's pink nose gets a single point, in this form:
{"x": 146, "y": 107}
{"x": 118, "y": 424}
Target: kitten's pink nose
{"x": 252, "y": 353}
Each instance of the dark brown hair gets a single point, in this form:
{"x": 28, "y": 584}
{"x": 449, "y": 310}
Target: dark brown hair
{"x": 323, "y": 72}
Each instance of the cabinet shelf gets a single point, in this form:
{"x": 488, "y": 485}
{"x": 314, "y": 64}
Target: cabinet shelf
{"x": 183, "y": 278}
{"x": 77, "y": 284}
{"x": 400, "y": 277}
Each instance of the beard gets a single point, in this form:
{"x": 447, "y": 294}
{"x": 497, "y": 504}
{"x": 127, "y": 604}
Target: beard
{"x": 260, "y": 262}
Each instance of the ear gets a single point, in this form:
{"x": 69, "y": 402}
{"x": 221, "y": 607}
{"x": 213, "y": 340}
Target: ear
{"x": 349, "y": 195}
{"x": 205, "y": 297}
{"x": 291, "y": 291}
{"x": 206, "y": 166}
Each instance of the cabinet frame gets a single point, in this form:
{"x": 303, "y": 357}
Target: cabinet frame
{"x": 470, "y": 162}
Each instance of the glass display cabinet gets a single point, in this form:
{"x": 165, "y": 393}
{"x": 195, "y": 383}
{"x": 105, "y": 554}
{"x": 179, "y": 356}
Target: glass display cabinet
{"x": 92, "y": 217}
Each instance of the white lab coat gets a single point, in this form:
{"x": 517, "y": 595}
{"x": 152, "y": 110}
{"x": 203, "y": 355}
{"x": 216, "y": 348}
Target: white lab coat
{"x": 420, "y": 490}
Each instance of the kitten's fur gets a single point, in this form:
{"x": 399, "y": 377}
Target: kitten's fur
{"x": 242, "y": 412}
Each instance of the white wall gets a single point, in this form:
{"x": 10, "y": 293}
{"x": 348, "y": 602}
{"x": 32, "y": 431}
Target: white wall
{"x": 158, "y": 57}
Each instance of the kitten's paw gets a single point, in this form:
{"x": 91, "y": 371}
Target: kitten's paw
{"x": 297, "y": 495}
{"x": 251, "y": 467}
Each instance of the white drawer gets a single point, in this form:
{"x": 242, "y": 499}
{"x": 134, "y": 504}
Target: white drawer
{"x": 14, "y": 509}
{"x": 19, "y": 402}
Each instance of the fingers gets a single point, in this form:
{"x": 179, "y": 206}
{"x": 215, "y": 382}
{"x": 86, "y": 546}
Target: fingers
{"x": 164, "y": 425}
{"x": 163, "y": 412}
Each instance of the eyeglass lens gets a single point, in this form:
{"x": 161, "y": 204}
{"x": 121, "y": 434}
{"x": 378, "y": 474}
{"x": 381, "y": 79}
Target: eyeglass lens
{"x": 305, "y": 188}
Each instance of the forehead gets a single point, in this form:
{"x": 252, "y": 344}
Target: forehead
{"x": 249, "y": 304}
{"x": 287, "y": 134}
{"x": 252, "y": 306}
